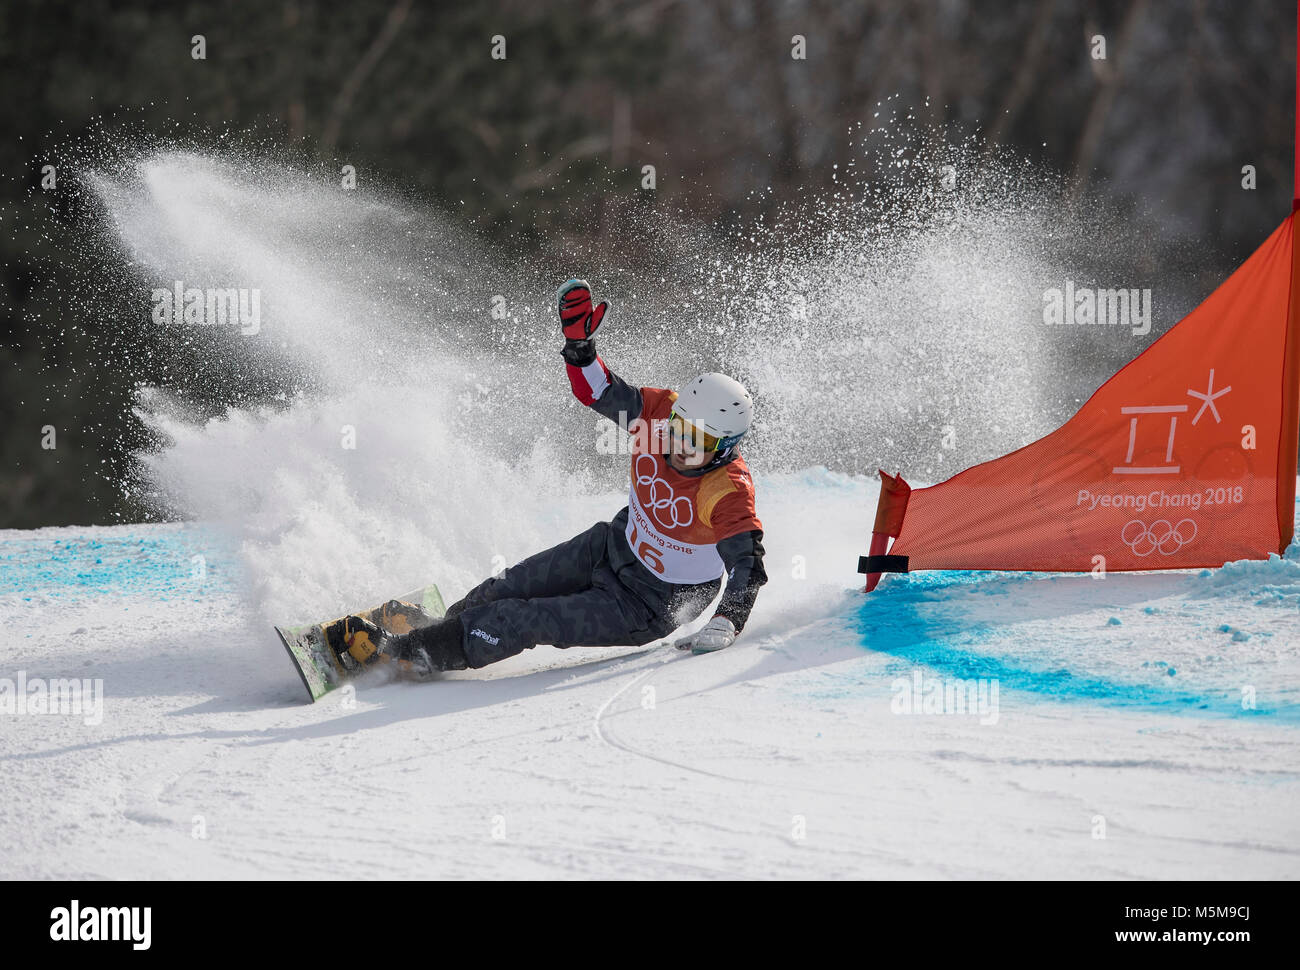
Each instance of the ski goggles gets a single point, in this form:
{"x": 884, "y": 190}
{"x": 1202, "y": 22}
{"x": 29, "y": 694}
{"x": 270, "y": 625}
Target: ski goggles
{"x": 697, "y": 438}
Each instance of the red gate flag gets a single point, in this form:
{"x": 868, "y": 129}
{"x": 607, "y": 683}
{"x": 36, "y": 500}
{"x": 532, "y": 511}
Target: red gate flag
{"x": 1185, "y": 458}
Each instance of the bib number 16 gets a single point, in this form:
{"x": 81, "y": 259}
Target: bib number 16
{"x": 648, "y": 553}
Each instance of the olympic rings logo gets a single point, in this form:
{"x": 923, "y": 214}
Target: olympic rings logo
{"x": 661, "y": 502}
{"x": 1160, "y": 536}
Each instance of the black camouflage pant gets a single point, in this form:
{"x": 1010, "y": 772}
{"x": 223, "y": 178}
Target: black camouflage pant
{"x": 587, "y": 592}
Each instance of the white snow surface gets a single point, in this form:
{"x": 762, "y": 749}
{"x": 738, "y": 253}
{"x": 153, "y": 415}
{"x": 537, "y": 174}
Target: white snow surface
{"x": 1120, "y": 713}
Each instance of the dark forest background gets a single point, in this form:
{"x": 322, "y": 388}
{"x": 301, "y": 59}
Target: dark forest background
{"x": 1190, "y": 91}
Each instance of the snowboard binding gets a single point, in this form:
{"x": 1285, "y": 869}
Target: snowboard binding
{"x": 418, "y": 653}
{"x": 356, "y": 642}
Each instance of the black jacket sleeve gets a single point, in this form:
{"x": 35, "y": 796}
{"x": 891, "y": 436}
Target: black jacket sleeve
{"x": 619, "y": 401}
{"x": 742, "y": 555}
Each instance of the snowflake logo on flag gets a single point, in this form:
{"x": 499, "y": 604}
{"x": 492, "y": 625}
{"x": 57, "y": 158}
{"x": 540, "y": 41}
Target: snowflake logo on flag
{"x": 1208, "y": 399}
{"x": 1170, "y": 467}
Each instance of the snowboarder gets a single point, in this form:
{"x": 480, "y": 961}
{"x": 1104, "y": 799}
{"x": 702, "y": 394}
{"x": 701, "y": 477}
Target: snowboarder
{"x": 656, "y": 566}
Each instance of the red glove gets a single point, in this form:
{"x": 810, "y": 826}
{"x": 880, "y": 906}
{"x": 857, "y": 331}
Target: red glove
{"x": 577, "y": 317}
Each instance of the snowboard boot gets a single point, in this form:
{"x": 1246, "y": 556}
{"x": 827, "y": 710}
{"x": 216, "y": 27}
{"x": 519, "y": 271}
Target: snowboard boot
{"x": 356, "y": 642}
{"x": 429, "y": 650}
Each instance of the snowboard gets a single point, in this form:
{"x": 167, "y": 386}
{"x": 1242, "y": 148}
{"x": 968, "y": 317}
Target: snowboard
{"x": 321, "y": 671}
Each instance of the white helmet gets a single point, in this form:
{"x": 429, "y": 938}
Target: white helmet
{"x": 719, "y": 406}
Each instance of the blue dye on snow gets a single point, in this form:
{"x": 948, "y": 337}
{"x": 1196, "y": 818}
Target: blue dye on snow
{"x": 904, "y": 618}
{"x": 159, "y": 564}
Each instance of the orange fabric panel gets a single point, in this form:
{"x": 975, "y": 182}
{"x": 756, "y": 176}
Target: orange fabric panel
{"x": 892, "y": 506}
{"x": 1155, "y": 470}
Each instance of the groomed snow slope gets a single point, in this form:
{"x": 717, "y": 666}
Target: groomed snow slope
{"x": 1119, "y": 713}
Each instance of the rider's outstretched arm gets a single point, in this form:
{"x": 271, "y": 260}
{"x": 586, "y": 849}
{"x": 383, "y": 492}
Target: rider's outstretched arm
{"x": 593, "y": 383}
